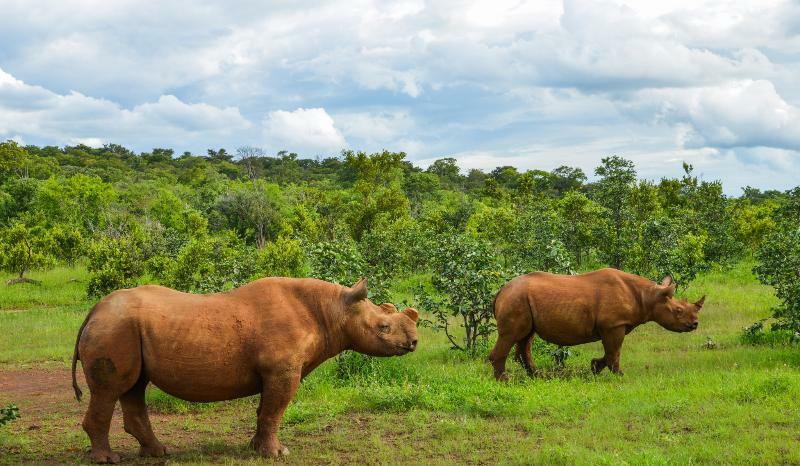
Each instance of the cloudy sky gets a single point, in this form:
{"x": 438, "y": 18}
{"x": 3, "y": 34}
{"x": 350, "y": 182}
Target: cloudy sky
{"x": 492, "y": 82}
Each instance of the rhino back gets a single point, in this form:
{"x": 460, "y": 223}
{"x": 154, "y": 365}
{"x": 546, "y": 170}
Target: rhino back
{"x": 213, "y": 347}
{"x": 573, "y": 309}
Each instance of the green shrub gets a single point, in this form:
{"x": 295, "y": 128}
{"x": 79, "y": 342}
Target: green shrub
{"x": 779, "y": 263}
{"x": 466, "y": 276}
{"x": 114, "y": 263}
{"x": 8, "y": 414}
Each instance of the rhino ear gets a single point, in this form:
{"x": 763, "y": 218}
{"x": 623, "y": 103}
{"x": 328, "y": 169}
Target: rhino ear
{"x": 388, "y": 308}
{"x": 667, "y": 291}
{"x": 356, "y": 293}
{"x": 411, "y": 313}
{"x": 667, "y": 280}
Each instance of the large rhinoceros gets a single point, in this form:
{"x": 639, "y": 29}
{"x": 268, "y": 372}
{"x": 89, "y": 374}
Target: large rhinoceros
{"x": 261, "y": 338}
{"x": 571, "y": 310}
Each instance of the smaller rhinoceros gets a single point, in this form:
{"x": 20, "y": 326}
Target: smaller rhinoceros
{"x": 568, "y": 310}
{"x": 261, "y": 338}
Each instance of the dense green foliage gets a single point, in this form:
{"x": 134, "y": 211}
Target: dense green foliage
{"x": 8, "y": 414}
{"x": 779, "y": 257}
{"x": 210, "y": 222}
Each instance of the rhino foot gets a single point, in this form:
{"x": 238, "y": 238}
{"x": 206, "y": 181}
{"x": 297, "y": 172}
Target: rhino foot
{"x": 104, "y": 457}
{"x": 154, "y": 451}
{"x": 269, "y": 449}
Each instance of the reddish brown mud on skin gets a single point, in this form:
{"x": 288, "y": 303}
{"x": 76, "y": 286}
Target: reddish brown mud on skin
{"x": 571, "y": 310}
{"x": 261, "y": 338}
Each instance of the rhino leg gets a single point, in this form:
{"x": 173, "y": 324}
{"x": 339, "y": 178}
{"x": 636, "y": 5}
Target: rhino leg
{"x": 524, "y": 354}
{"x": 136, "y": 421}
{"x": 612, "y": 344}
{"x": 96, "y": 423}
{"x": 498, "y": 357}
{"x": 277, "y": 392}
{"x": 111, "y": 359}
{"x": 598, "y": 365}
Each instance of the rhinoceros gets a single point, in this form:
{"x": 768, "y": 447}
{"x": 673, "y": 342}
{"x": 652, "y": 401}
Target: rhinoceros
{"x": 568, "y": 310}
{"x": 262, "y": 338}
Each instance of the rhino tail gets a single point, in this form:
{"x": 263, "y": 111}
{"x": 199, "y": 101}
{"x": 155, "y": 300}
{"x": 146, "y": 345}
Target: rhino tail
{"x": 76, "y": 356}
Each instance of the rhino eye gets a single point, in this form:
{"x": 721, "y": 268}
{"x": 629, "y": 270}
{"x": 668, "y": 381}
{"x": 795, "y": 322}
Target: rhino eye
{"x": 384, "y": 328}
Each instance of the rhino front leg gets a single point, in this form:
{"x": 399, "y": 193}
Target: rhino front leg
{"x": 276, "y": 394}
{"x": 612, "y": 344}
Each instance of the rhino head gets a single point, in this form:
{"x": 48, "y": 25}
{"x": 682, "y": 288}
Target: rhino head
{"x": 678, "y": 315}
{"x": 378, "y": 330}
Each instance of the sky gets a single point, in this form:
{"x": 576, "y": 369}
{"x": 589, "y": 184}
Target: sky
{"x": 534, "y": 84}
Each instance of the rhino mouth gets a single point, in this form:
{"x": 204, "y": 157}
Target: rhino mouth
{"x": 406, "y": 349}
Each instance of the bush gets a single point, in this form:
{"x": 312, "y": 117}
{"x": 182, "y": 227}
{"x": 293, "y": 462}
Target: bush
{"x": 8, "y": 414}
{"x": 114, "y": 263}
{"x": 757, "y": 334}
{"x": 209, "y": 264}
{"x": 779, "y": 263}
{"x": 466, "y": 276}
{"x": 283, "y": 257}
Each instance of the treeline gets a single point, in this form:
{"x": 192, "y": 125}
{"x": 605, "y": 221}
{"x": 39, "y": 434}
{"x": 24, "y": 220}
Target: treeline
{"x": 210, "y": 222}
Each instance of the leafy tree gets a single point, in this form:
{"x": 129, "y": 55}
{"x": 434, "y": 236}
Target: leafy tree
{"x": 668, "y": 246}
{"x": 754, "y": 222}
{"x": 68, "y": 243}
{"x": 779, "y": 262}
{"x": 446, "y": 170}
{"x": 565, "y": 179}
{"x": 24, "y": 248}
{"x": 115, "y": 262}
{"x": 283, "y": 257}
{"x": 536, "y": 239}
{"x": 253, "y": 209}
{"x": 583, "y": 224}
{"x": 14, "y": 160}
{"x": 466, "y": 276}
{"x": 613, "y": 191}
{"x": 209, "y": 264}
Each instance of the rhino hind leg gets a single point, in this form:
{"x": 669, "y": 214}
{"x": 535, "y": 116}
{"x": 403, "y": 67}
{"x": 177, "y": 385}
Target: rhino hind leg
{"x": 96, "y": 423}
{"x": 111, "y": 359}
{"x": 524, "y": 354}
{"x": 499, "y": 355}
{"x": 137, "y": 422}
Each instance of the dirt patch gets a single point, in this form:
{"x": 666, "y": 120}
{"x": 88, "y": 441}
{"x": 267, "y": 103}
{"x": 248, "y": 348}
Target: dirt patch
{"x": 49, "y": 428}
{"x": 43, "y": 382}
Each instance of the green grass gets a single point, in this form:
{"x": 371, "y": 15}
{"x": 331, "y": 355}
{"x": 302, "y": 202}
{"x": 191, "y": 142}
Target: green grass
{"x": 679, "y": 402}
{"x": 61, "y": 286}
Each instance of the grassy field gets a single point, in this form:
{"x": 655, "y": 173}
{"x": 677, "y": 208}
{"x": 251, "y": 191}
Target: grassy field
{"x": 681, "y": 399}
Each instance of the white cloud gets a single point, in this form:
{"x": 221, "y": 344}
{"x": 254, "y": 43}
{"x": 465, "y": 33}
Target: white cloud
{"x": 39, "y": 114}
{"x": 736, "y": 114}
{"x": 308, "y": 130}
{"x": 531, "y": 82}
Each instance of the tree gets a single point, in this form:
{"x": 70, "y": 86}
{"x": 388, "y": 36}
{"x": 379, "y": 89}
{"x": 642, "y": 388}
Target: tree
{"x": 613, "y": 192}
{"x": 536, "y": 239}
{"x": 24, "y": 248}
{"x": 254, "y": 209}
{"x": 565, "y": 179}
{"x": 283, "y": 257}
{"x": 583, "y": 221}
{"x": 779, "y": 262}
{"x": 14, "y": 160}
{"x": 466, "y": 276}
{"x": 447, "y": 170}
{"x": 115, "y": 262}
